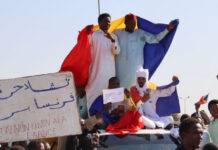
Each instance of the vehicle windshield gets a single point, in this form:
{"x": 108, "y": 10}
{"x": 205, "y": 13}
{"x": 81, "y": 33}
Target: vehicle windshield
{"x": 137, "y": 142}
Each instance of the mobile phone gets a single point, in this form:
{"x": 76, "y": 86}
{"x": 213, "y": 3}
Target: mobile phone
{"x": 148, "y": 91}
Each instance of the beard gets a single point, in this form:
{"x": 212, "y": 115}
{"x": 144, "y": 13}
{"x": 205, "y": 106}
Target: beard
{"x": 141, "y": 85}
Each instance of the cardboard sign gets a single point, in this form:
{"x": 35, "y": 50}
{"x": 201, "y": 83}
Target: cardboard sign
{"x": 37, "y": 107}
{"x": 113, "y": 95}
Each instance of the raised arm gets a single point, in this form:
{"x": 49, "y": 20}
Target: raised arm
{"x": 152, "y": 38}
{"x": 169, "y": 89}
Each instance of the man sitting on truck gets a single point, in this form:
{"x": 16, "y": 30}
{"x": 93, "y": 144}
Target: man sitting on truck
{"x": 146, "y": 98}
{"x": 111, "y": 117}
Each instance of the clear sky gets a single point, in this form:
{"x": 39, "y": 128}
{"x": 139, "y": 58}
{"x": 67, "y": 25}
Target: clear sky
{"x": 36, "y": 36}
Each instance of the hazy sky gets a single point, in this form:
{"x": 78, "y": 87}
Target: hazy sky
{"x": 36, "y": 36}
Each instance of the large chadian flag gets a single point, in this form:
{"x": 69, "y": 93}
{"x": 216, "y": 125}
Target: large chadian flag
{"x": 79, "y": 59}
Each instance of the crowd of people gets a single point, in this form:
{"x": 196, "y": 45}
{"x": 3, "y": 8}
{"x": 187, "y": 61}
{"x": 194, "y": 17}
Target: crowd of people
{"x": 140, "y": 95}
{"x": 27, "y": 145}
{"x": 196, "y": 131}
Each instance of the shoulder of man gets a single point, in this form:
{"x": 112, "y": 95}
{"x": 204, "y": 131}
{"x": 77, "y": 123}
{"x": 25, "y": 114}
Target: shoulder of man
{"x": 133, "y": 88}
{"x": 113, "y": 35}
{"x": 118, "y": 31}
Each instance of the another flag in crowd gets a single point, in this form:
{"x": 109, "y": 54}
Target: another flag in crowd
{"x": 203, "y": 99}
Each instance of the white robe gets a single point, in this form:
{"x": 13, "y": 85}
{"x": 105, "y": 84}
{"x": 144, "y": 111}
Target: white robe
{"x": 147, "y": 109}
{"x": 102, "y": 66}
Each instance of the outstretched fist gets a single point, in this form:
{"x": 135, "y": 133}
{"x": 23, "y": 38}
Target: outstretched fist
{"x": 89, "y": 28}
{"x": 175, "y": 78}
{"x": 170, "y": 26}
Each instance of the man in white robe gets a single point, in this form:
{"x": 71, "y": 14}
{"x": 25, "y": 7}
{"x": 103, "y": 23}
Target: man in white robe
{"x": 104, "y": 46}
{"x": 132, "y": 43}
{"x": 146, "y": 106}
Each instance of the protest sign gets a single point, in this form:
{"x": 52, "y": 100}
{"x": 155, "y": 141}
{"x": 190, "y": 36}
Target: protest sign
{"x": 37, "y": 107}
{"x": 113, "y": 95}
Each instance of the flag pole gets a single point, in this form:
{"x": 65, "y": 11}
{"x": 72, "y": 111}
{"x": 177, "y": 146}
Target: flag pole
{"x": 98, "y": 7}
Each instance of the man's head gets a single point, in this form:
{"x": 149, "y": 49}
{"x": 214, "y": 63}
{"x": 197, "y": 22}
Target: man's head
{"x": 17, "y": 147}
{"x": 210, "y": 146}
{"x": 199, "y": 118}
{"x": 141, "y": 81}
{"x": 36, "y": 145}
{"x": 183, "y": 117}
{"x": 213, "y": 108}
{"x": 104, "y": 21}
{"x": 191, "y": 132}
{"x": 46, "y": 145}
{"x": 114, "y": 82}
{"x": 142, "y": 76}
{"x": 130, "y": 22}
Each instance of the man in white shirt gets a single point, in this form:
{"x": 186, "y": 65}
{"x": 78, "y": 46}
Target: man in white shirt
{"x": 104, "y": 46}
{"x": 147, "y": 104}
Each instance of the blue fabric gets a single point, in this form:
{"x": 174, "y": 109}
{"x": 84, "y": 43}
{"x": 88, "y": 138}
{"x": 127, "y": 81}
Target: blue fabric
{"x": 97, "y": 106}
{"x": 166, "y": 106}
{"x": 153, "y": 56}
{"x": 154, "y": 53}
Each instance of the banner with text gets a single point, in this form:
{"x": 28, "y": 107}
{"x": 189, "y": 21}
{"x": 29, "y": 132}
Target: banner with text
{"x": 39, "y": 106}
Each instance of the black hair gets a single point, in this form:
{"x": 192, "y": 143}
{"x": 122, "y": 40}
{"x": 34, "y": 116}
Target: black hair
{"x": 113, "y": 78}
{"x": 33, "y": 144}
{"x": 187, "y": 124}
{"x": 21, "y": 143}
{"x": 17, "y": 147}
{"x": 183, "y": 117}
{"x": 210, "y": 146}
{"x": 102, "y": 16}
{"x": 212, "y": 102}
{"x": 195, "y": 115}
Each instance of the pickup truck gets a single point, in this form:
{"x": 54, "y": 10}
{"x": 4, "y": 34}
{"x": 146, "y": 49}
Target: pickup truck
{"x": 145, "y": 139}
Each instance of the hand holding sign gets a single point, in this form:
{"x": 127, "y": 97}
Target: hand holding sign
{"x": 113, "y": 95}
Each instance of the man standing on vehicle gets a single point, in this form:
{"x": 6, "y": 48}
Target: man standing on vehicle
{"x": 99, "y": 48}
{"x": 132, "y": 43}
{"x": 103, "y": 48}
{"x": 146, "y": 101}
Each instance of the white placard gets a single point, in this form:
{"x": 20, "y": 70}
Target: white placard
{"x": 113, "y": 95}
{"x": 38, "y": 107}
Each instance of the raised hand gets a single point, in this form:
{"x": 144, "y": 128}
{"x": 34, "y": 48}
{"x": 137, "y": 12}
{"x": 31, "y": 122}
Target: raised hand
{"x": 175, "y": 78}
{"x": 170, "y": 26}
{"x": 127, "y": 93}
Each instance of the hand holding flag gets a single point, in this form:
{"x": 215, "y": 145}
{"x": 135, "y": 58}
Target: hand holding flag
{"x": 197, "y": 106}
{"x": 170, "y": 26}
